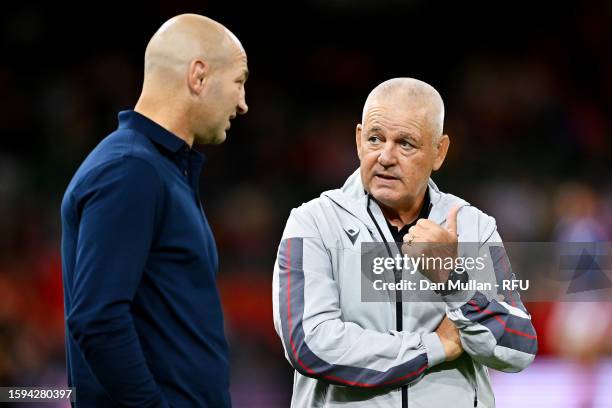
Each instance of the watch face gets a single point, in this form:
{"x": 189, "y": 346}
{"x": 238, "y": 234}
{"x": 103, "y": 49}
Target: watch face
{"x": 454, "y": 277}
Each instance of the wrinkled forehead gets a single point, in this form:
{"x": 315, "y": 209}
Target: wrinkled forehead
{"x": 389, "y": 113}
{"x": 240, "y": 64}
{"x": 237, "y": 50}
{"x": 235, "y": 57}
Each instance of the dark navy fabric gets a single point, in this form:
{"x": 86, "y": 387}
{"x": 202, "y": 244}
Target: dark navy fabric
{"x": 144, "y": 325}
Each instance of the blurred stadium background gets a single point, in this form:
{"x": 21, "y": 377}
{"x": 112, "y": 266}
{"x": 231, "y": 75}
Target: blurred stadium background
{"x": 528, "y": 93}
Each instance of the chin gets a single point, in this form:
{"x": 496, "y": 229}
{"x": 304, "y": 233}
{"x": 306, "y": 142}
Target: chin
{"x": 384, "y": 195}
{"x": 213, "y": 139}
{"x": 220, "y": 138}
{"x": 387, "y": 196}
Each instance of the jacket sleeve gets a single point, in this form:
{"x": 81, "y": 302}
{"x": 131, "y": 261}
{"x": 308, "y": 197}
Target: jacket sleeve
{"x": 496, "y": 332}
{"x": 318, "y": 342}
{"x": 117, "y": 216}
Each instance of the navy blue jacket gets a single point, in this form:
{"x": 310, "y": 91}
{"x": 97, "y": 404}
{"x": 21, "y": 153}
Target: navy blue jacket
{"x": 144, "y": 325}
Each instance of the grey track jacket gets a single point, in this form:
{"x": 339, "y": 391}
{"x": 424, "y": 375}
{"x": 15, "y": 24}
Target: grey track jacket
{"x": 348, "y": 352}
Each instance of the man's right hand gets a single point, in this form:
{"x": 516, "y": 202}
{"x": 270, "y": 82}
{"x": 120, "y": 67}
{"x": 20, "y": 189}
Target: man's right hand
{"x": 449, "y": 336}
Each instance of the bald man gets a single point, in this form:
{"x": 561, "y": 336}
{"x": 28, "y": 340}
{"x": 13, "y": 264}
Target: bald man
{"x": 144, "y": 325}
{"x": 348, "y": 352}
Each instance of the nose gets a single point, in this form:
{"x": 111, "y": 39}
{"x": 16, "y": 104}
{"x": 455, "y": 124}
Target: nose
{"x": 386, "y": 157}
{"x": 242, "y": 107}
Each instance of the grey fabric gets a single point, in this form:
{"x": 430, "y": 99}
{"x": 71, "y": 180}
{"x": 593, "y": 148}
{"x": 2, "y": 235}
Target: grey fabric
{"x": 347, "y": 352}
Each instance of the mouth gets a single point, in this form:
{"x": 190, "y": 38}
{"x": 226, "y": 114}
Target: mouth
{"x": 229, "y": 123}
{"x": 387, "y": 177}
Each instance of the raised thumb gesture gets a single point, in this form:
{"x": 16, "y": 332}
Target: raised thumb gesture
{"x": 451, "y": 220}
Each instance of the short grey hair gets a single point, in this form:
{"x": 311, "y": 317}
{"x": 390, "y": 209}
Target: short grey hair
{"x": 415, "y": 93}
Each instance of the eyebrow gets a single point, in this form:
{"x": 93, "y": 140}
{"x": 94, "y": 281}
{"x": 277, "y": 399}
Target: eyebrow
{"x": 408, "y": 136}
{"x": 403, "y": 135}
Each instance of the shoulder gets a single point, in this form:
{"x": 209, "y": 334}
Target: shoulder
{"x": 111, "y": 176}
{"x": 122, "y": 182}
{"x": 303, "y": 219}
{"x": 123, "y": 152}
{"x": 129, "y": 143}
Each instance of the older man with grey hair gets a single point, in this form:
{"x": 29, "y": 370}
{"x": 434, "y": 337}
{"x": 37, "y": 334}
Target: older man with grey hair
{"x": 392, "y": 354}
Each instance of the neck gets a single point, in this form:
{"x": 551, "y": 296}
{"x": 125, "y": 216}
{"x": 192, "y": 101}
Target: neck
{"x": 170, "y": 119}
{"x": 398, "y": 217}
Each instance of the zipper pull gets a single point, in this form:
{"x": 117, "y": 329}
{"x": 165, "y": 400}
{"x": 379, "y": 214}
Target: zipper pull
{"x": 475, "y": 400}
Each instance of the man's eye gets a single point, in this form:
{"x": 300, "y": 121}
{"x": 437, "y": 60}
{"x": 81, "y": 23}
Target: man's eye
{"x": 406, "y": 145}
{"x": 374, "y": 139}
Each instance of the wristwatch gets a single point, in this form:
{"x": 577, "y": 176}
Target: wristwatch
{"x": 461, "y": 278}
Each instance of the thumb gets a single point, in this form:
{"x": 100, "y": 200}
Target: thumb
{"x": 451, "y": 220}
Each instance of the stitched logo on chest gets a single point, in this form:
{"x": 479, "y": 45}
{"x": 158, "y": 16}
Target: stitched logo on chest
{"x": 352, "y": 234}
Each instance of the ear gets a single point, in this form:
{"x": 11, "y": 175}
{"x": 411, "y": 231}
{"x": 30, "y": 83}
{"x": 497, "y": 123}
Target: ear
{"x": 358, "y": 139}
{"x": 441, "y": 151}
{"x": 197, "y": 76}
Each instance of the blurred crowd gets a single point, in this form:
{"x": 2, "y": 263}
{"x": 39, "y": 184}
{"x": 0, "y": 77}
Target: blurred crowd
{"x": 528, "y": 110}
